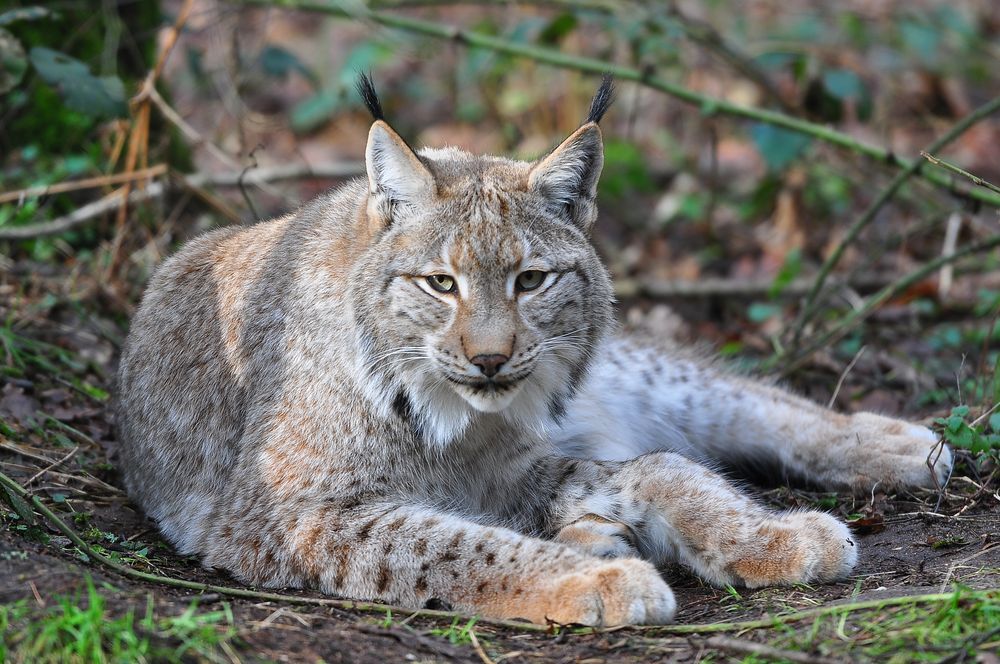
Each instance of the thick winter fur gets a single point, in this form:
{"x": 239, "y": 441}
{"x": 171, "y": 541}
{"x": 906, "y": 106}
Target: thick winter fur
{"x": 301, "y": 406}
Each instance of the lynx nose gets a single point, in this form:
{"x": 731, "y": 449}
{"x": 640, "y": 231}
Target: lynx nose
{"x": 489, "y": 364}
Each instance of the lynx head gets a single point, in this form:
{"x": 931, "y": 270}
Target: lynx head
{"x": 480, "y": 291}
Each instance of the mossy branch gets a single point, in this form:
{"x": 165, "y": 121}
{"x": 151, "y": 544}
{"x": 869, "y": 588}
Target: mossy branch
{"x": 375, "y": 607}
{"x": 709, "y": 105}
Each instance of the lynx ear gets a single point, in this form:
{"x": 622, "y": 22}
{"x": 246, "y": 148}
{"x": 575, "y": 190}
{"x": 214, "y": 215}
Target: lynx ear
{"x": 568, "y": 176}
{"x": 396, "y": 176}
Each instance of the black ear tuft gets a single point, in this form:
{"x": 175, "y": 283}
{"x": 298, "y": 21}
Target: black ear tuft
{"x": 603, "y": 99}
{"x": 367, "y": 91}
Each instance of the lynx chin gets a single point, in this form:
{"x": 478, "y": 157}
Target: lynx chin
{"x": 413, "y": 388}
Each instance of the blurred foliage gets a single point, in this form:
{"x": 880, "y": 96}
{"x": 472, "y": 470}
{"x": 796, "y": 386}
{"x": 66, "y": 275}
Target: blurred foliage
{"x": 686, "y": 192}
{"x": 65, "y": 71}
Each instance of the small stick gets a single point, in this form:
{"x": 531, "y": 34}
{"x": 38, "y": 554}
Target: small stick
{"x": 196, "y": 182}
{"x": 87, "y": 183}
{"x": 947, "y": 249}
{"x": 52, "y": 465}
{"x": 174, "y": 118}
{"x": 875, "y": 301}
{"x": 72, "y": 432}
{"x": 744, "y": 647}
{"x": 478, "y": 648}
{"x": 38, "y": 597}
{"x": 847, "y": 370}
{"x": 955, "y": 169}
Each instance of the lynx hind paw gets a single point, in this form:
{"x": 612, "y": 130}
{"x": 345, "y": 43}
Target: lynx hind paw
{"x": 599, "y": 537}
{"x": 621, "y": 592}
{"x": 895, "y": 453}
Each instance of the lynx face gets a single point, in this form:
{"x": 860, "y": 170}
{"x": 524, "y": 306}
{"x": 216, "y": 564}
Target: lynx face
{"x": 493, "y": 297}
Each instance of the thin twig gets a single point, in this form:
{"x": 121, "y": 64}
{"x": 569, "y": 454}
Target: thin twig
{"x": 744, "y": 647}
{"x": 88, "y": 183}
{"x": 195, "y": 182}
{"x": 948, "y": 248}
{"x": 52, "y": 465}
{"x": 843, "y": 375}
{"x": 81, "y": 215}
{"x": 192, "y": 134}
{"x": 809, "y": 307}
{"x": 240, "y": 181}
{"x": 557, "y": 58}
{"x": 937, "y": 161}
{"x": 478, "y": 648}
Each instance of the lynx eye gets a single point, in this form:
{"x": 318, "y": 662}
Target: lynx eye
{"x": 529, "y": 280}
{"x": 442, "y": 283}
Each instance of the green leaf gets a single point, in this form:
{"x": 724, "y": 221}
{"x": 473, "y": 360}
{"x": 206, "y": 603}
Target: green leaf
{"x": 559, "y": 27}
{"x": 93, "y": 391}
{"x": 778, "y": 146}
{"x": 625, "y": 170}
{"x": 758, "y": 312}
{"x": 313, "y": 111}
{"x": 13, "y": 62}
{"x": 279, "y": 63}
{"x": 964, "y": 438}
{"x": 18, "y": 504}
{"x": 843, "y": 84}
{"x": 922, "y": 39}
{"x": 789, "y": 270}
{"x": 960, "y": 411}
{"x": 81, "y": 91}
{"x": 995, "y": 422}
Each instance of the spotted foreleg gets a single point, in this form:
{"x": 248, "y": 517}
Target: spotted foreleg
{"x": 668, "y": 508}
{"x": 407, "y": 555}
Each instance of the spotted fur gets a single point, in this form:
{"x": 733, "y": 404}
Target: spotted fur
{"x": 300, "y": 406}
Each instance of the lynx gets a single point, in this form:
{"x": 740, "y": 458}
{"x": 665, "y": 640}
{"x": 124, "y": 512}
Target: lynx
{"x": 412, "y": 388}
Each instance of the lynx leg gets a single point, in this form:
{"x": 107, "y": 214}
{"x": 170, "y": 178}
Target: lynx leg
{"x": 751, "y": 423}
{"x": 682, "y": 511}
{"x": 406, "y": 556}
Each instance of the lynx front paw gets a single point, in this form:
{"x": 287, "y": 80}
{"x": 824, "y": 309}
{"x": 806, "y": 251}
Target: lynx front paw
{"x": 798, "y": 547}
{"x": 895, "y": 453}
{"x": 622, "y": 592}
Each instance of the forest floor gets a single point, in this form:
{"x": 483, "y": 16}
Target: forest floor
{"x": 58, "y": 441}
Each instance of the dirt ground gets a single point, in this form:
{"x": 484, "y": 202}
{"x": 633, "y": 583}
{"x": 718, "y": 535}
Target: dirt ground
{"x": 60, "y": 444}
